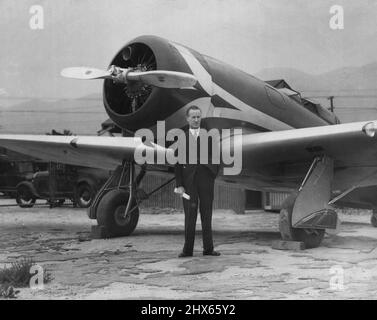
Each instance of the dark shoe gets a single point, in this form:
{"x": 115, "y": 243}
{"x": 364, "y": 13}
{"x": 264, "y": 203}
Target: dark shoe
{"x": 184, "y": 255}
{"x": 211, "y": 253}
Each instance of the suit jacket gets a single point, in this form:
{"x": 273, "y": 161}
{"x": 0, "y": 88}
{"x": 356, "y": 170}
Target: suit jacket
{"x": 185, "y": 173}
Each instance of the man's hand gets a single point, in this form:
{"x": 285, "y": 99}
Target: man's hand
{"x": 180, "y": 190}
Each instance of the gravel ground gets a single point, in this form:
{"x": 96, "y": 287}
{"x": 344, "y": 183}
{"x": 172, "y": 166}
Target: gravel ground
{"x": 145, "y": 265}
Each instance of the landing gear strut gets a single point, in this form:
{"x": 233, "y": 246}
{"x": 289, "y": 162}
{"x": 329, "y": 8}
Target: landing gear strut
{"x": 306, "y": 214}
{"x": 116, "y": 205}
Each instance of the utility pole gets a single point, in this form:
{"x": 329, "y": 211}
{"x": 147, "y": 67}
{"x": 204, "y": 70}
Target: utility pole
{"x": 331, "y": 98}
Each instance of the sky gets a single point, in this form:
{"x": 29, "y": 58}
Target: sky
{"x": 249, "y": 34}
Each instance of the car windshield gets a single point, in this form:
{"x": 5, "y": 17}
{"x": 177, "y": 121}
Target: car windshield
{"x": 25, "y": 167}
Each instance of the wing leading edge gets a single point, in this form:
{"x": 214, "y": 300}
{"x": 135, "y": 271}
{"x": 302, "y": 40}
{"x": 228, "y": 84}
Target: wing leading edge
{"x": 350, "y": 144}
{"x": 90, "y": 151}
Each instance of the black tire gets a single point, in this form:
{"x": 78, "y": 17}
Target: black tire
{"x": 312, "y": 238}
{"x": 84, "y": 195}
{"x": 373, "y": 220}
{"x": 24, "y": 197}
{"x": 109, "y": 214}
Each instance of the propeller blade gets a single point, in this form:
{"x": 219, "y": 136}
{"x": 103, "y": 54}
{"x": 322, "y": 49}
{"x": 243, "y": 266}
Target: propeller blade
{"x": 85, "y": 73}
{"x": 163, "y": 78}
{"x": 157, "y": 78}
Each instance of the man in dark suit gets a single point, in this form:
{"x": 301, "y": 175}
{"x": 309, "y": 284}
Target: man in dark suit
{"x": 197, "y": 180}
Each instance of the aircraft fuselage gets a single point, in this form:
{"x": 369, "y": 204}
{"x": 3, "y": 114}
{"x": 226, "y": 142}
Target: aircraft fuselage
{"x": 227, "y": 96}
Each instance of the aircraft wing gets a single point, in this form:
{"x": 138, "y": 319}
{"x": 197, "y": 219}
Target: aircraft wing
{"x": 350, "y": 144}
{"x": 90, "y": 151}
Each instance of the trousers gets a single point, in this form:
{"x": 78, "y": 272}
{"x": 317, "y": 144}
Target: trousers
{"x": 201, "y": 192}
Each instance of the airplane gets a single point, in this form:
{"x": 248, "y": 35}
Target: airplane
{"x": 286, "y": 145}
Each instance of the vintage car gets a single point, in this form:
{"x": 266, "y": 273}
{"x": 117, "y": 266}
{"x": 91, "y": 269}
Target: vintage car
{"x": 60, "y": 182}
{"x": 12, "y": 172}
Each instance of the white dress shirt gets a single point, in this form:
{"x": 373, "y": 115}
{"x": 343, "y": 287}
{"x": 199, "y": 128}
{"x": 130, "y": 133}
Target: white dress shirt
{"x": 195, "y": 132}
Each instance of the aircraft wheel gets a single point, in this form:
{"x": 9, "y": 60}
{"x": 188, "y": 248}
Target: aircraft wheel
{"x": 312, "y": 238}
{"x": 110, "y": 214}
{"x": 24, "y": 197}
{"x": 373, "y": 220}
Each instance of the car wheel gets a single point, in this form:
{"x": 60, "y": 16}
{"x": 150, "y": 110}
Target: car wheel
{"x": 84, "y": 195}
{"x": 25, "y": 198}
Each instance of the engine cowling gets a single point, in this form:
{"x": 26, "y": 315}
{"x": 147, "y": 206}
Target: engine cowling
{"x": 137, "y": 105}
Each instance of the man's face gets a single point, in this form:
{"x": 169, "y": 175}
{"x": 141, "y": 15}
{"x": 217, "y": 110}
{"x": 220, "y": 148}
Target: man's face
{"x": 193, "y": 118}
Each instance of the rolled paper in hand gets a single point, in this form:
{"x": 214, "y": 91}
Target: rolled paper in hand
{"x": 184, "y": 195}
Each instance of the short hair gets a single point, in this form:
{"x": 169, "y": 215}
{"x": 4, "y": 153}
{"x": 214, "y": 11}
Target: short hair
{"x": 193, "y": 107}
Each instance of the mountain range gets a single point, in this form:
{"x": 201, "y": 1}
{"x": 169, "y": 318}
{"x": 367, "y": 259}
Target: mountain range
{"x": 39, "y": 116}
{"x": 351, "y": 80}
{"x": 354, "y": 89}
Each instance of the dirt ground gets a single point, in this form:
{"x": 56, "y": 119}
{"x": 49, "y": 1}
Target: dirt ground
{"x": 145, "y": 265}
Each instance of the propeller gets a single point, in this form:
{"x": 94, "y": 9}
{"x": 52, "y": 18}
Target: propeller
{"x": 85, "y": 73}
{"x": 156, "y": 78}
